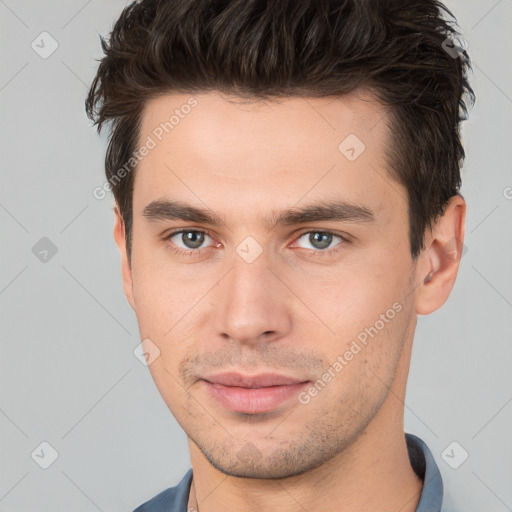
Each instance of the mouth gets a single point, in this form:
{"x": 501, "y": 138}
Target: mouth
{"x": 253, "y": 394}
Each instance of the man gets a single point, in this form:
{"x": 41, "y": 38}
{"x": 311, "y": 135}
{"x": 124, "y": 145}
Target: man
{"x": 286, "y": 179}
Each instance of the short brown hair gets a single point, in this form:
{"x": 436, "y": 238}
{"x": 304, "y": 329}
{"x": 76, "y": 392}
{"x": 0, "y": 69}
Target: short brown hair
{"x": 406, "y": 53}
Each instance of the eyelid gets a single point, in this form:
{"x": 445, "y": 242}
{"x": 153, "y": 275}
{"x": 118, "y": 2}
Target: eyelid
{"x": 342, "y": 235}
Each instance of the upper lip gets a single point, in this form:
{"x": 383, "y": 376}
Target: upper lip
{"x": 260, "y": 380}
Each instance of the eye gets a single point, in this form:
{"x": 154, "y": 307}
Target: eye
{"x": 191, "y": 240}
{"x": 321, "y": 240}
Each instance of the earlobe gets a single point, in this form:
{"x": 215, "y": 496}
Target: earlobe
{"x": 440, "y": 259}
{"x": 126, "y": 272}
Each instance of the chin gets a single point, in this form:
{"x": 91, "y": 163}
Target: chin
{"x": 249, "y": 462}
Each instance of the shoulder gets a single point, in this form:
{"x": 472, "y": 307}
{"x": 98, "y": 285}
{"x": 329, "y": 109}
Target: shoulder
{"x": 173, "y": 499}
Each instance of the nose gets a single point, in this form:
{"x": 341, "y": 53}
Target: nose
{"x": 252, "y": 305}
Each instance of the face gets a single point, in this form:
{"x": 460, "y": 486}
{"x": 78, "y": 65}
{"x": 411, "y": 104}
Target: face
{"x": 279, "y": 326}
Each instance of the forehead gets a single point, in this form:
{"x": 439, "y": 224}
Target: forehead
{"x": 206, "y": 146}
{"x": 296, "y": 121}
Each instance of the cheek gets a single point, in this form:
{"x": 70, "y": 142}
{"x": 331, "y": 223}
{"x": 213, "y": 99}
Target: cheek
{"x": 362, "y": 363}
{"x": 367, "y": 308}
{"x": 355, "y": 297}
{"x": 162, "y": 298}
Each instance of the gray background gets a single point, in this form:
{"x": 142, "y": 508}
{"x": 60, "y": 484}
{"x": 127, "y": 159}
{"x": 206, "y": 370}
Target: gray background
{"x": 68, "y": 373}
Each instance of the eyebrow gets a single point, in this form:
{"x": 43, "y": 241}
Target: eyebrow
{"x": 163, "y": 209}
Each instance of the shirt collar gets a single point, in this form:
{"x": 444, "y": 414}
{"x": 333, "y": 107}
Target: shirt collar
{"x": 423, "y": 463}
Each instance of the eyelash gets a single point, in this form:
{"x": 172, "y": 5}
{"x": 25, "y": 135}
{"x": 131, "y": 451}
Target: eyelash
{"x": 191, "y": 252}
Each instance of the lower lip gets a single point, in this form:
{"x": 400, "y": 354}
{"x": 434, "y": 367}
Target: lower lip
{"x": 253, "y": 400}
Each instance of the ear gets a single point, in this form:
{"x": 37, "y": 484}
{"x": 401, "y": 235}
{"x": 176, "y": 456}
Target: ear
{"x": 126, "y": 271}
{"x": 439, "y": 262}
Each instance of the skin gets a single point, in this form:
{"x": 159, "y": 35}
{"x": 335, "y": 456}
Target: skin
{"x": 292, "y": 310}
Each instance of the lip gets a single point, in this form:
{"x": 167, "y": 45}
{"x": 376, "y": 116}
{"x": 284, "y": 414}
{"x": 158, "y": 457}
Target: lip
{"x": 252, "y": 394}
{"x": 261, "y": 380}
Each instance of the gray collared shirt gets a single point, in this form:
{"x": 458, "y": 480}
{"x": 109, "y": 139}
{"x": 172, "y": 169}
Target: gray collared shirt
{"x": 175, "y": 499}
